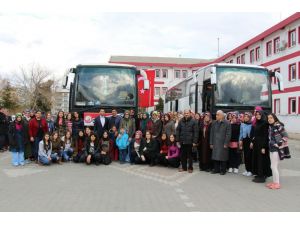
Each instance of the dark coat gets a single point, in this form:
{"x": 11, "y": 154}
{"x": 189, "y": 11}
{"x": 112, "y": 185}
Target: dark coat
{"x": 187, "y": 131}
{"x": 13, "y": 137}
{"x": 205, "y": 151}
{"x": 98, "y": 128}
{"x": 77, "y": 126}
{"x": 220, "y": 135}
{"x": 261, "y": 163}
{"x": 4, "y": 123}
{"x": 155, "y": 127}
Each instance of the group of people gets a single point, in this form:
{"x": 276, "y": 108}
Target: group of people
{"x": 174, "y": 139}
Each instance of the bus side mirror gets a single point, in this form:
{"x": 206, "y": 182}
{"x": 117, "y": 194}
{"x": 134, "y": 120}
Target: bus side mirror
{"x": 280, "y": 81}
{"x": 146, "y": 85}
{"x": 213, "y": 73}
{"x": 72, "y": 70}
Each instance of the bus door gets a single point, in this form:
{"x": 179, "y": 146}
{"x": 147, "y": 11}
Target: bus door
{"x": 207, "y": 96}
{"x": 176, "y": 105}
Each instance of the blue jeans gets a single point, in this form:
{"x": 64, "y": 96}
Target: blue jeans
{"x": 123, "y": 154}
{"x": 18, "y": 158}
{"x": 44, "y": 160}
{"x": 35, "y": 147}
{"x": 67, "y": 154}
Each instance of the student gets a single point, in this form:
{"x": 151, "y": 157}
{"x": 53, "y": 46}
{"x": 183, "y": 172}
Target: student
{"x": 60, "y": 124}
{"x": 122, "y": 143}
{"x": 57, "y": 146}
{"x": 50, "y": 123}
{"x": 277, "y": 142}
{"x": 168, "y": 125}
{"x": 234, "y": 160}
{"x": 18, "y": 138}
{"x": 136, "y": 148}
{"x": 205, "y": 153}
{"x": 45, "y": 155}
{"x": 77, "y": 125}
{"x": 78, "y": 155}
{"x": 92, "y": 150}
{"x": 113, "y": 134}
{"x": 68, "y": 146}
{"x": 245, "y": 140}
{"x": 106, "y": 146}
{"x": 260, "y": 148}
{"x": 87, "y": 133}
{"x": 151, "y": 149}
{"x": 69, "y": 122}
{"x": 163, "y": 145}
{"x": 173, "y": 156}
{"x": 143, "y": 123}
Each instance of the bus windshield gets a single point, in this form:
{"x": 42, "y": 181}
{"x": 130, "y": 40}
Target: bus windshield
{"x": 242, "y": 87}
{"x": 111, "y": 86}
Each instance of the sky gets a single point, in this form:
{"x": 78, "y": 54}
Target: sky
{"x": 60, "y": 41}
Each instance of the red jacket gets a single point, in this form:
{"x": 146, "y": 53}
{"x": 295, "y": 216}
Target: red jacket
{"x": 34, "y": 125}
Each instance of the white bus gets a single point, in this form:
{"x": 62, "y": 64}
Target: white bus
{"x": 227, "y": 87}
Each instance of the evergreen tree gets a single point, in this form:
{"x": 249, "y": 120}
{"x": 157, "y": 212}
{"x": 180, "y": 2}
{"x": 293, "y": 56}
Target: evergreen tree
{"x": 160, "y": 105}
{"x": 8, "y": 97}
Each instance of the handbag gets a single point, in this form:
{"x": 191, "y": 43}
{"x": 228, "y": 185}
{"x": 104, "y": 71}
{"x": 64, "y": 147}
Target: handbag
{"x": 233, "y": 144}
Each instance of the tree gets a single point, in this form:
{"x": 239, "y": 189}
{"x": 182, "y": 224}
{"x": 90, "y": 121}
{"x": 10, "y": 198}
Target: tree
{"x": 160, "y": 105}
{"x": 9, "y": 99}
{"x": 36, "y": 84}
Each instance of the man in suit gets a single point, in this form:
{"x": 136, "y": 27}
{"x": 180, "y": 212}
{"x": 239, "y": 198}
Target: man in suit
{"x": 101, "y": 123}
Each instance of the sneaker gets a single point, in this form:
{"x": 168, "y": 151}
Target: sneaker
{"x": 245, "y": 173}
{"x": 249, "y": 174}
{"x": 190, "y": 171}
{"x": 235, "y": 170}
{"x": 230, "y": 170}
{"x": 269, "y": 185}
{"x": 181, "y": 170}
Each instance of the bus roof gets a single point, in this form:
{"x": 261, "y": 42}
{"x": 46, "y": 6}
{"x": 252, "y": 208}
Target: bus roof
{"x": 234, "y": 65}
{"x": 107, "y": 65}
{"x": 218, "y": 65}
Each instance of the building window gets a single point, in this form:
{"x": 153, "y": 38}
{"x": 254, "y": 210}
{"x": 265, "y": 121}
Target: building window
{"x": 243, "y": 59}
{"x": 292, "y": 72}
{"x": 177, "y": 73}
{"x": 269, "y": 48}
{"x": 292, "y": 38}
{"x": 231, "y": 61}
{"x": 184, "y": 73}
{"x": 238, "y": 60}
{"x": 292, "y": 105}
{"x": 257, "y": 53}
{"x": 164, "y": 90}
{"x": 276, "y": 45}
{"x": 157, "y": 73}
{"x": 299, "y": 35}
{"x": 252, "y": 56}
{"x": 157, "y": 91}
{"x": 165, "y": 73}
{"x": 277, "y": 106}
{"x": 275, "y": 78}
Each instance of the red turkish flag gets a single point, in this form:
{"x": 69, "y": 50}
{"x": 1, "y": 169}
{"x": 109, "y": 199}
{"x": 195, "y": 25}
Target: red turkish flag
{"x": 146, "y": 97}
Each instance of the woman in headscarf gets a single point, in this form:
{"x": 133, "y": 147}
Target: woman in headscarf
{"x": 245, "y": 140}
{"x": 143, "y": 123}
{"x": 233, "y": 148}
{"x": 259, "y": 144}
{"x": 18, "y": 138}
{"x": 136, "y": 149}
{"x": 205, "y": 161}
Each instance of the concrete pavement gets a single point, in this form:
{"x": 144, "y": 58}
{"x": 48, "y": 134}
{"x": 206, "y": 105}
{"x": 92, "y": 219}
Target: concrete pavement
{"x": 77, "y": 187}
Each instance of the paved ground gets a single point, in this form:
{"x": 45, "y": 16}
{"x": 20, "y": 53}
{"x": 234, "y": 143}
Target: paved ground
{"x": 77, "y": 187}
